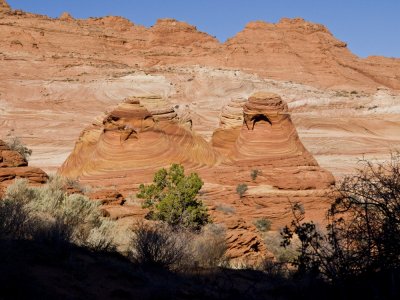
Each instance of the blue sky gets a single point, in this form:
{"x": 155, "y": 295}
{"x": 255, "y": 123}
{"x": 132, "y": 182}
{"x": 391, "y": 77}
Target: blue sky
{"x": 369, "y": 27}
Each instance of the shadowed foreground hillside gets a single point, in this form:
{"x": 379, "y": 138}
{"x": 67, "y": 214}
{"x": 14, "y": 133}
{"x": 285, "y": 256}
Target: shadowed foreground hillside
{"x": 31, "y": 270}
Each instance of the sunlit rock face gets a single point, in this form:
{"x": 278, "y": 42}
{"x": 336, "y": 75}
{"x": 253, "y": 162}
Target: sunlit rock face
{"x": 140, "y": 138}
{"x": 14, "y": 166}
{"x": 4, "y": 6}
{"x": 133, "y": 140}
{"x": 142, "y": 134}
{"x": 267, "y": 140}
{"x": 268, "y": 135}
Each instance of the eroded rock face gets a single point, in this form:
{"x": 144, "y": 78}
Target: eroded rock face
{"x": 131, "y": 143}
{"x": 4, "y": 6}
{"x": 56, "y": 75}
{"x": 267, "y": 141}
{"x": 232, "y": 114}
{"x": 131, "y": 138}
{"x": 268, "y": 134}
{"x": 48, "y": 65}
{"x": 306, "y": 49}
{"x": 65, "y": 16}
{"x": 13, "y": 165}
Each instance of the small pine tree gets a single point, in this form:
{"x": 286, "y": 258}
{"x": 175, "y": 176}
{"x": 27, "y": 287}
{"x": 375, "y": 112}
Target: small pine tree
{"x": 172, "y": 198}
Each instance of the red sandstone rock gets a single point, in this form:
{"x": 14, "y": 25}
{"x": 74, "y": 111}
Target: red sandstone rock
{"x": 66, "y": 17}
{"x": 13, "y": 166}
{"x": 107, "y": 197}
{"x": 57, "y": 74}
{"x": 4, "y": 6}
{"x": 129, "y": 146}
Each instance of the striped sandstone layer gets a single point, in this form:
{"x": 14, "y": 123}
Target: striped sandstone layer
{"x": 129, "y": 145}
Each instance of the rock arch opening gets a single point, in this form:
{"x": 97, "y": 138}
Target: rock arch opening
{"x": 255, "y": 119}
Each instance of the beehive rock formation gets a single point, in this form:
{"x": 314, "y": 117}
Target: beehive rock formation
{"x": 49, "y": 65}
{"x": 131, "y": 138}
{"x": 268, "y": 134}
{"x": 13, "y": 166}
{"x": 130, "y": 144}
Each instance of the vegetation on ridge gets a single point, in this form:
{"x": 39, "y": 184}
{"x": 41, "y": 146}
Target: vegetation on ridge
{"x": 356, "y": 255}
{"x": 15, "y": 144}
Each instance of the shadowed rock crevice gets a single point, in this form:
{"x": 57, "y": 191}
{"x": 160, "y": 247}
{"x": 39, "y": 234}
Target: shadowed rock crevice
{"x": 255, "y": 119}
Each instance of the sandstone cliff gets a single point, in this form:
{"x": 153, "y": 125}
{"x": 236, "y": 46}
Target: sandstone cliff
{"x": 292, "y": 49}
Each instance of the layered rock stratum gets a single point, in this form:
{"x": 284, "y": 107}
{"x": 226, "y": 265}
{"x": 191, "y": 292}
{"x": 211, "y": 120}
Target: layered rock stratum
{"x": 14, "y": 166}
{"x": 58, "y": 75}
{"x": 4, "y": 7}
{"x": 130, "y": 144}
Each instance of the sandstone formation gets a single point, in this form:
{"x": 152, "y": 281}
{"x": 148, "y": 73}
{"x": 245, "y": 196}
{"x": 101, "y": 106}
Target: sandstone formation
{"x": 4, "y": 6}
{"x": 13, "y": 166}
{"x": 292, "y": 49}
{"x": 131, "y": 144}
{"x": 50, "y": 65}
{"x": 267, "y": 141}
{"x": 297, "y": 50}
{"x": 131, "y": 138}
{"x": 57, "y": 75}
{"x": 66, "y": 17}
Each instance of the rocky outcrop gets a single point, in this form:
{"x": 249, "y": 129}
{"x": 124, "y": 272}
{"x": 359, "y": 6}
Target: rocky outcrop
{"x": 294, "y": 49}
{"x": 268, "y": 141}
{"x": 131, "y": 138}
{"x": 132, "y": 142}
{"x": 13, "y": 166}
{"x": 10, "y": 158}
{"x": 65, "y": 16}
{"x": 232, "y": 114}
{"x": 268, "y": 134}
{"x": 4, "y": 6}
{"x": 57, "y": 74}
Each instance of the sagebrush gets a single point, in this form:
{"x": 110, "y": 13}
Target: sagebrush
{"x": 49, "y": 213}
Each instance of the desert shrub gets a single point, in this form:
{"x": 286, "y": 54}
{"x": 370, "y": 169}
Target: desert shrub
{"x": 263, "y": 224}
{"x": 100, "y": 238}
{"x": 15, "y": 144}
{"x": 241, "y": 189}
{"x": 20, "y": 192}
{"x": 51, "y": 231}
{"x": 75, "y": 184}
{"x": 274, "y": 269}
{"x": 208, "y": 248}
{"x": 53, "y": 215}
{"x": 363, "y": 232}
{"x": 254, "y": 173}
{"x": 14, "y": 219}
{"x": 288, "y": 254}
{"x": 158, "y": 245}
{"x": 172, "y": 198}
{"x": 226, "y": 209}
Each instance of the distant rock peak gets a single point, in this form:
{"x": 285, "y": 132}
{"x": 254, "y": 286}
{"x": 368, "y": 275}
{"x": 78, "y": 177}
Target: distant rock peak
{"x": 4, "y": 5}
{"x": 288, "y": 23}
{"x": 65, "y": 16}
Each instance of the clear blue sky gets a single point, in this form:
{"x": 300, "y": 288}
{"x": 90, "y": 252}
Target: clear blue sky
{"x": 370, "y": 27}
